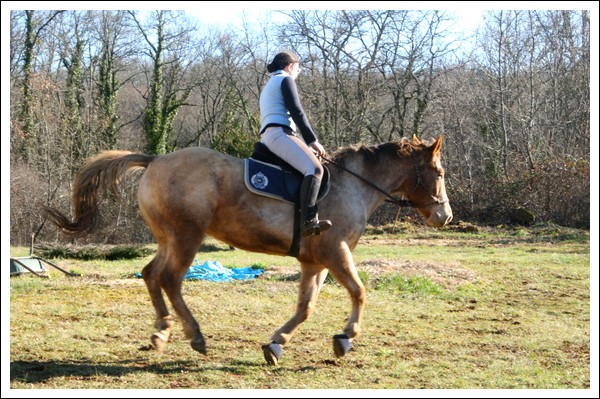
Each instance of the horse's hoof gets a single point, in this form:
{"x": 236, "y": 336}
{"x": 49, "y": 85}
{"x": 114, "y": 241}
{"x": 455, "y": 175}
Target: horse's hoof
{"x": 159, "y": 341}
{"x": 341, "y": 344}
{"x": 198, "y": 344}
{"x": 272, "y": 353}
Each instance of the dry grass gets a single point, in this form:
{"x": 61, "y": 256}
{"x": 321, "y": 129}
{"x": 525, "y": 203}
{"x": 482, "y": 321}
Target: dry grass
{"x": 512, "y": 312}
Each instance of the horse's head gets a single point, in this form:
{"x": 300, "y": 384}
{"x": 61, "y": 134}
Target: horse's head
{"x": 426, "y": 191}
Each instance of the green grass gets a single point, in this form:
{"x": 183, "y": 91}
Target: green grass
{"x": 499, "y": 308}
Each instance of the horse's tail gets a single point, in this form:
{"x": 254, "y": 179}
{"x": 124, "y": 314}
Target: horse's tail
{"x": 100, "y": 173}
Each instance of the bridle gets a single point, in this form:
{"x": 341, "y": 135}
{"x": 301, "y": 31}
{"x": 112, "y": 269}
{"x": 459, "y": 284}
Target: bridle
{"x": 397, "y": 201}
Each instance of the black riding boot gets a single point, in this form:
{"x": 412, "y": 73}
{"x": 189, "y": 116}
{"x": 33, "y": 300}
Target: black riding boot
{"x": 309, "y": 190}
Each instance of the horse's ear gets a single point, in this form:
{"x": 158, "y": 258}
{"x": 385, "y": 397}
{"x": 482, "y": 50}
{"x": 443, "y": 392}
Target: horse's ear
{"x": 437, "y": 146}
{"x": 415, "y": 139}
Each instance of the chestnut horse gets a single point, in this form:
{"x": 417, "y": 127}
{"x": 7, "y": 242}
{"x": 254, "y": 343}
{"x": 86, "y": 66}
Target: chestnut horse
{"x": 193, "y": 192}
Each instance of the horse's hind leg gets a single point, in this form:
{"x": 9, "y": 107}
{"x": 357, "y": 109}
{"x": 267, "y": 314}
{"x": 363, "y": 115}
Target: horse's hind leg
{"x": 171, "y": 279}
{"x": 164, "y": 321}
{"x": 166, "y": 272}
{"x": 311, "y": 281}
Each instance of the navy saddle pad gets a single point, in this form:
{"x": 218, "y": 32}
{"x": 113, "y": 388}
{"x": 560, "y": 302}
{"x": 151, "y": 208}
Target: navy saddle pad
{"x": 268, "y": 175}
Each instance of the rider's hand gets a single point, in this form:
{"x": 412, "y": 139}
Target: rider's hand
{"x": 318, "y": 148}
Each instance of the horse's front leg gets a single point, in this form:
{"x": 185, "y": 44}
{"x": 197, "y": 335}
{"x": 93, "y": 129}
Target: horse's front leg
{"x": 344, "y": 271}
{"x": 311, "y": 280}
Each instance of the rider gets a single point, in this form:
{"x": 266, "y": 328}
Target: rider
{"x": 281, "y": 115}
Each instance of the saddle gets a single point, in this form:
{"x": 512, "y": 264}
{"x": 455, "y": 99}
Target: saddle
{"x": 267, "y": 174}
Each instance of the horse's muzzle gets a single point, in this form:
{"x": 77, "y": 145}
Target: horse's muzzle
{"x": 441, "y": 215}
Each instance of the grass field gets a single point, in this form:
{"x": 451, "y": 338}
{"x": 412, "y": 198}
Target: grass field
{"x": 483, "y": 308}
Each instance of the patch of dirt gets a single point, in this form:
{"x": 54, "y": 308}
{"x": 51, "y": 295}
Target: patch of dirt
{"x": 96, "y": 279}
{"x": 409, "y": 241}
{"x": 124, "y": 282}
{"x": 282, "y": 272}
{"x": 448, "y": 275}
{"x": 432, "y": 241}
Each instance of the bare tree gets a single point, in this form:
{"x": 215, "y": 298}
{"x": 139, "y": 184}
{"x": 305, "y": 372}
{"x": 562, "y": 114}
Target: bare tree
{"x": 214, "y": 93}
{"x": 323, "y": 41}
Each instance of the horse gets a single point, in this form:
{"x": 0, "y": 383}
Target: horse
{"x": 193, "y": 192}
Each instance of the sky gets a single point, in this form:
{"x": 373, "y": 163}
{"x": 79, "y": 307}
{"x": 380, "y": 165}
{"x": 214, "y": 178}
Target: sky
{"x": 469, "y": 12}
{"x": 212, "y": 14}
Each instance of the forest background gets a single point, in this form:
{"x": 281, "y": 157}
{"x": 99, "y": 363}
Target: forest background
{"x": 513, "y": 105}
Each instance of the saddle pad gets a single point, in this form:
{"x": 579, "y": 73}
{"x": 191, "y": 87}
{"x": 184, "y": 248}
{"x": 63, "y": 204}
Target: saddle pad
{"x": 270, "y": 181}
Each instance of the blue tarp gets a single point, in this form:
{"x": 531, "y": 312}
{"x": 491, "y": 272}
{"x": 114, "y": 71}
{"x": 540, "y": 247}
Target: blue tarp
{"x": 215, "y": 271}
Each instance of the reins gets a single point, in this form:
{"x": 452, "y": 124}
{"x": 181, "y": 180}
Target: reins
{"x": 390, "y": 198}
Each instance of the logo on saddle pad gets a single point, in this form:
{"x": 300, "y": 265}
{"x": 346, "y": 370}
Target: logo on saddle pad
{"x": 275, "y": 182}
{"x": 259, "y": 181}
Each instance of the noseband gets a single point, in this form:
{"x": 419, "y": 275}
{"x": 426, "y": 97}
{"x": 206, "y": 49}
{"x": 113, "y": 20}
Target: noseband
{"x": 397, "y": 201}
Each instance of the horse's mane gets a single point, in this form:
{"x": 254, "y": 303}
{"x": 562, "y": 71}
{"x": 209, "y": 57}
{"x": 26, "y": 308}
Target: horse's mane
{"x": 371, "y": 153}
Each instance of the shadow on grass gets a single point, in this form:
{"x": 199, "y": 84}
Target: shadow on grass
{"x": 39, "y": 372}
{"x": 213, "y": 248}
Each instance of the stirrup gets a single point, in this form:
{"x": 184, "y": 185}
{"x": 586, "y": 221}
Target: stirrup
{"x": 314, "y": 227}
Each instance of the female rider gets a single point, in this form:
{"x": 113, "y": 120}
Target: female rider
{"x": 281, "y": 117}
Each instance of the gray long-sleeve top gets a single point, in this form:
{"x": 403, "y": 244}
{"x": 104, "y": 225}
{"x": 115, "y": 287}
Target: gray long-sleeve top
{"x": 280, "y": 106}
